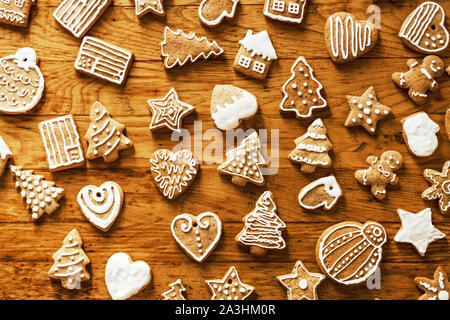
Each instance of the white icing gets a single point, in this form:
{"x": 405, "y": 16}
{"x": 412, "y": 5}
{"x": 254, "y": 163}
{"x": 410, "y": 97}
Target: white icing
{"x": 95, "y": 202}
{"x": 310, "y": 147}
{"x": 329, "y": 185}
{"x": 419, "y": 22}
{"x": 144, "y": 6}
{"x": 286, "y": 16}
{"x": 420, "y": 132}
{"x": 417, "y": 229}
{"x": 4, "y": 149}
{"x": 202, "y": 254}
{"x": 228, "y": 116}
{"x": 125, "y": 278}
{"x": 176, "y": 289}
{"x": 224, "y": 14}
{"x": 259, "y": 44}
{"x": 220, "y": 287}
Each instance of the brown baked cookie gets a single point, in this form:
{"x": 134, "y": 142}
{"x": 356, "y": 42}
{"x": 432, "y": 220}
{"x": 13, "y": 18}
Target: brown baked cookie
{"x": 440, "y": 187}
{"x": 15, "y": 12}
{"x": 447, "y": 123}
{"x": 420, "y": 79}
{"x": 420, "y": 134}
{"x": 380, "y": 173}
{"x": 5, "y": 154}
{"x": 213, "y": 12}
{"x": 291, "y": 11}
{"x": 323, "y": 192}
{"x": 348, "y": 39}
{"x": 436, "y": 288}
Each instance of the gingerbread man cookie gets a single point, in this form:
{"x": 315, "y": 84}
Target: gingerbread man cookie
{"x": 420, "y": 79}
{"x": 380, "y": 173}
{"x": 440, "y": 188}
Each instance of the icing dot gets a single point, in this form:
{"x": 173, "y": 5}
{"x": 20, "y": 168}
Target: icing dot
{"x": 443, "y": 295}
{"x": 366, "y": 111}
{"x": 305, "y": 84}
{"x": 303, "y": 284}
{"x": 294, "y": 86}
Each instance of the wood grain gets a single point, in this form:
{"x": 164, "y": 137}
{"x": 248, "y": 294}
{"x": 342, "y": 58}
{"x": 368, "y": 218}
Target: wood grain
{"x": 142, "y": 230}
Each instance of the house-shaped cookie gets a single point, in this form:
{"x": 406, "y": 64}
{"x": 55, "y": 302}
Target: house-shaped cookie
{"x": 255, "y": 55}
{"x": 286, "y": 10}
{"x": 15, "y": 12}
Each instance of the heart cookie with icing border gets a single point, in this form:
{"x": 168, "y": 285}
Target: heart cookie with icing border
{"x": 101, "y": 205}
{"x": 197, "y": 235}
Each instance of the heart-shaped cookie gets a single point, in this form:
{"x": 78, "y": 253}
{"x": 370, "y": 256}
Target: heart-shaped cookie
{"x": 424, "y": 29}
{"x": 125, "y": 278}
{"x": 101, "y": 205}
{"x": 348, "y": 39}
{"x": 197, "y": 235}
{"x": 173, "y": 173}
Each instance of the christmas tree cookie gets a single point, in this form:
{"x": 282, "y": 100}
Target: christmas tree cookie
{"x": 70, "y": 261}
{"x": 175, "y": 292}
{"x": 105, "y": 136}
{"x": 40, "y": 196}
{"x": 312, "y": 148}
{"x": 302, "y": 92}
{"x": 263, "y": 227}
{"x": 244, "y": 162}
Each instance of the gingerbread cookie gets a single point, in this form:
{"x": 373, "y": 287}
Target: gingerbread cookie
{"x": 302, "y": 92}
{"x": 125, "y": 278}
{"x": 350, "y": 252}
{"x": 70, "y": 261}
{"x": 366, "y": 111}
{"x": 230, "y": 287}
{"x": 255, "y": 56}
{"x": 419, "y": 133}
{"x": 417, "y": 229}
{"x": 173, "y": 173}
{"x": 39, "y": 195}
{"x": 380, "y": 173}
{"x": 301, "y": 284}
{"x": 230, "y": 105}
{"x": 287, "y": 11}
{"x": 244, "y": 163}
{"x": 103, "y": 60}
{"x": 105, "y": 136}
{"x": 168, "y": 112}
{"x": 5, "y": 154}
{"x": 440, "y": 188}
{"x": 175, "y": 292}
{"x": 61, "y": 143}
{"x": 312, "y": 148}
{"x": 101, "y": 205}
{"x": 78, "y": 16}
{"x": 16, "y": 13}
{"x": 263, "y": 227}
{"x": 348, "y": 39}
{"x": 420, "y": 79}
{"x": 323, "y": 192}
{"x": 447, "y": 123}
{"x": 145, "y": 6}
{"x": 21, "y": 82}
{"x": 448, "y": 70}
{"x": 178, "y": 48}
{"x": 197, "y": 235}
{"x": 436, "y": 288}
{"x": 424, "y": 29}
{"x": 213, "y": 12}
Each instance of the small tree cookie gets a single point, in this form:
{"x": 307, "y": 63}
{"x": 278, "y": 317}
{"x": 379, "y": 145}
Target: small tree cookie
{"x": 69, "y": 262}
{"x": 380, "y": 173}
{"x": 312, "y": 148}
{"x": 420, "y": 79}
{"x": 440, "y": 188}
{"x": 105, "y": 136}
{"x": 175, "y": 292}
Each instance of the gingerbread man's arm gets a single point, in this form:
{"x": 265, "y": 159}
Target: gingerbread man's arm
{"x": 412, "y": 63}
{"x": 371, "y": 160}
{"x": 434, "y": 86}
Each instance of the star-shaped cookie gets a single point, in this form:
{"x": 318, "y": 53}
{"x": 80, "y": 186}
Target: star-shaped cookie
{"x": 440, "y": 188}
{"x": 417, "y": 229}
{"x": 436, "y": 289}
{"x": 168, "y": 112}
{"x": 145, "y": 6}
{"x": 230, "y": 287}
{"x": 301, "y": 284}
{"x": 366, "y": 111}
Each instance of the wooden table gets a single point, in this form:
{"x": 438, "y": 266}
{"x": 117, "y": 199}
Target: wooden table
{"x": 143, "y": 228}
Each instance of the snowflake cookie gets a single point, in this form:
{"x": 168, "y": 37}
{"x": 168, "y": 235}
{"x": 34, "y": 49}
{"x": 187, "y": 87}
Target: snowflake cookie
{"x": 440, "y": 189}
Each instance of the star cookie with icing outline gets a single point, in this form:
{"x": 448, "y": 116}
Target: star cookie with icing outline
{"x": 417, "y": 229}
{"x": 301, "y": 284}
{"x": 436, "y": 288}
{"x": 168, "y": 112}
{"x": 145, "y": 6}
{"x": 366, "y": 111}
{"x": 440, "y": 188}
{"x": 230, "y": 287}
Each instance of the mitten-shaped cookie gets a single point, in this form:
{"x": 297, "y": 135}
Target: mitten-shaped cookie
{"x": 380, "y": 172}
{"x": 420, "y": 78}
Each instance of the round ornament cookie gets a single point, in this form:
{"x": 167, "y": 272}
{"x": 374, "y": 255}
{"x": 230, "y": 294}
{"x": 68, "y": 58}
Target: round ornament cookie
{"x": 350, "y": 252}
{"x": 21, "y": 82}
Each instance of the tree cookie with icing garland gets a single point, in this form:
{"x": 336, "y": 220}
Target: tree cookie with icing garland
{"x": 176, "y": 291}
{"x": 419, "y": 133}
{"x": 323, "y": 192}
{"x": 436, "y": 288}
{"x": 348, "y": 39}
{"x": 381, "y": 172}
{"x": 420, "y": 78}
{"x": 440, "y": 187}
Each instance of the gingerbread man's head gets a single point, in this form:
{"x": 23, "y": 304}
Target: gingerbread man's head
{"x": 434, "y": 65}
{"x": 393, "y": 159}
